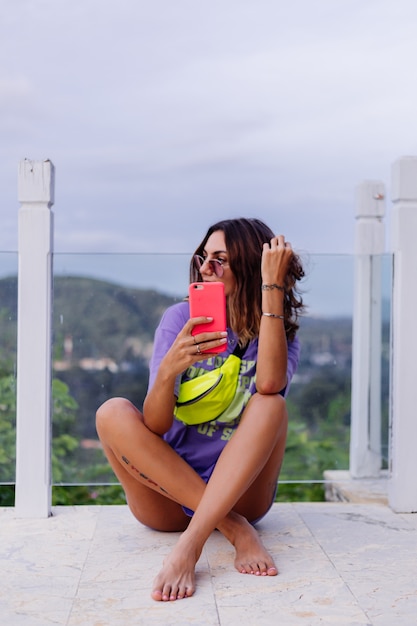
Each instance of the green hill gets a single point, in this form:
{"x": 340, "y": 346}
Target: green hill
{"x": 103, "y": 319}
{"x": 102, "y": 340}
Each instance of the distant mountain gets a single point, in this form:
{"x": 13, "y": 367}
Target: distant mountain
{"x": 91, "y": 318}
{"x": 95, "y": 319}
{"x": 103, "y": 336}
{"x": 105, "y": 319}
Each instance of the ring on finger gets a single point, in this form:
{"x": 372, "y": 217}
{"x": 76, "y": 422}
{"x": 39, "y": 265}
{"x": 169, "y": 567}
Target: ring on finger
{"x": 198, "y": 349}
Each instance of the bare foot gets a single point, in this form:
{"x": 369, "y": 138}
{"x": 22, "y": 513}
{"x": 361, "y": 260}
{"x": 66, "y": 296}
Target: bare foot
{"x": 176, "y": 580}
{"x": 251, "y": 555}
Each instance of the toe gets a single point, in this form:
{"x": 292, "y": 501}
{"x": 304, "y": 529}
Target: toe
{"x": 156, "y": 595}
{"x": 246, "y": 568}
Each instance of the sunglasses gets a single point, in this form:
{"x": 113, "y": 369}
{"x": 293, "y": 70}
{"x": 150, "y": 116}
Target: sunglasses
{"x": 216, "y": 265}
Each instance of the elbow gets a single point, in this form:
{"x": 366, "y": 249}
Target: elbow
{"x": 270, "y": 386}
{"x": 156, "y": 428}
{"x": 155, "y": 422}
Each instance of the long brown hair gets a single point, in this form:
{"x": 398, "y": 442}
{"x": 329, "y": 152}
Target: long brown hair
{"x": 244, "y": 240}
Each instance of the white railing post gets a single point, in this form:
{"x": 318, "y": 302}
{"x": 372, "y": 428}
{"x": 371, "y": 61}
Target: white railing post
{"x": 402, "y": 485}
{"x": 365, "y": 430}
{"x": 33, "y": 415}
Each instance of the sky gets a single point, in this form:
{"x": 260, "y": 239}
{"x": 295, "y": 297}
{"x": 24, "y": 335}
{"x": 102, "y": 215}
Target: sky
{"x": 164, "y": 117}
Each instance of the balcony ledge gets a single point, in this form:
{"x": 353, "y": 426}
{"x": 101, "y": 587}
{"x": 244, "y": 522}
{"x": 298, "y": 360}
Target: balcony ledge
{"x": 341, "y": 487}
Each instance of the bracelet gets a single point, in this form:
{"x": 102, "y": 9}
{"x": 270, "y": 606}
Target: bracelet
{"x": 279, "y": 317}
{"x": 272, "y": 286}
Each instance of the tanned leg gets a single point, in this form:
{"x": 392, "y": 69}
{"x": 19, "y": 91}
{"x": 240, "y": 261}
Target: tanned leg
{"x": 251, "y": 556}
{"x": 244, "y": 480}
{"x": 156, "y": 480}
{"x": 142, "y": 461}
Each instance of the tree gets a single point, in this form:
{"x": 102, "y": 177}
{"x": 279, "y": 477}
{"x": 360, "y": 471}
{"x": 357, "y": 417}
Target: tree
{"x": 7, "y": 428}
{"x": 64, "y": 444}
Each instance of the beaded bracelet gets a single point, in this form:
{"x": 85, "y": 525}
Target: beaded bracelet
{"x": 279, "y": 317}
{"x": 272, "y": 286}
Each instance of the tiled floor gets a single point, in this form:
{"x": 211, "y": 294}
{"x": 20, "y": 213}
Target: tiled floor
{"x": 93, "y": 566}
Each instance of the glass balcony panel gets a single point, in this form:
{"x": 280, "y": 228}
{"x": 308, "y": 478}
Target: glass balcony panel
{"x": 8, "y": 353}
{"x": 319, "y": 399}
{"x": 106, "y": 308}
{"x": 386, "y": 285}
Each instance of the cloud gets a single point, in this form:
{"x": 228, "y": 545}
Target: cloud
{"x": 163, "y": 117}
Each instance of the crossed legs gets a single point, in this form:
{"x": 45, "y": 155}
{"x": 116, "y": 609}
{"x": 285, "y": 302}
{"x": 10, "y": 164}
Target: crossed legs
{"x": 157, "y": 482}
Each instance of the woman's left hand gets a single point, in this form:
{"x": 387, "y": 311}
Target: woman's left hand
{"x": 276, "y": 257}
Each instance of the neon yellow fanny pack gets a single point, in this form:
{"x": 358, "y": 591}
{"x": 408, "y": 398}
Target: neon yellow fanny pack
{"x": 204, "y": 398}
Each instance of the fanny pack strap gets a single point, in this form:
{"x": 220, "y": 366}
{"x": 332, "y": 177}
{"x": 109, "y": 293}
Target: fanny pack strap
{"x": 239, "y": 351}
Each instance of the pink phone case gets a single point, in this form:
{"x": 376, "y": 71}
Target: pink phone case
{"x": 208, "y": 299}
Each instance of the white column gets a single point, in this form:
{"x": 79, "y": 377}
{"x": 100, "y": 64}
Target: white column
{"x": 33, "y": 418}
{"x": 402, "y": 490}
{"x": 365, "y": 430}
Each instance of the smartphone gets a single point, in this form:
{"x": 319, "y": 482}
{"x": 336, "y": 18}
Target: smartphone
{"x": 208, "y": 299}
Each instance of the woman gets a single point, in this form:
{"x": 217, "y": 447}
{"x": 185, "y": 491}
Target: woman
{"x": 198, "y": 478}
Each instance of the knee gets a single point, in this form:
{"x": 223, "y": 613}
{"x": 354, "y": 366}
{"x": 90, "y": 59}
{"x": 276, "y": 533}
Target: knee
{"x": 272, "y": 404}
{"x": 110, "y": 412}
{"x": 279, "y": 407}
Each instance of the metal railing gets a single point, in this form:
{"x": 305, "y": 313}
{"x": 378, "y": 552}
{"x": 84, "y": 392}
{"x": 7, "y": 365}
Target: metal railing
{"x": 33, "y": 476}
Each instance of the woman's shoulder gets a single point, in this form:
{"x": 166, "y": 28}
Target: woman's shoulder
{"x": 170, "y": 324}
{"x": 176, "y": 313}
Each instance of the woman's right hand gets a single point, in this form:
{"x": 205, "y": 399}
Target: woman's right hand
{"x": 158, "y": 406}
{"x": 188, "y": 348}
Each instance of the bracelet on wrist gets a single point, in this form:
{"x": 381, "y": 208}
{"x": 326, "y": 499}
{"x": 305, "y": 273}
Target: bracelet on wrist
{"x": 278, "y": 317}
{"x": 271, "y": 286}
